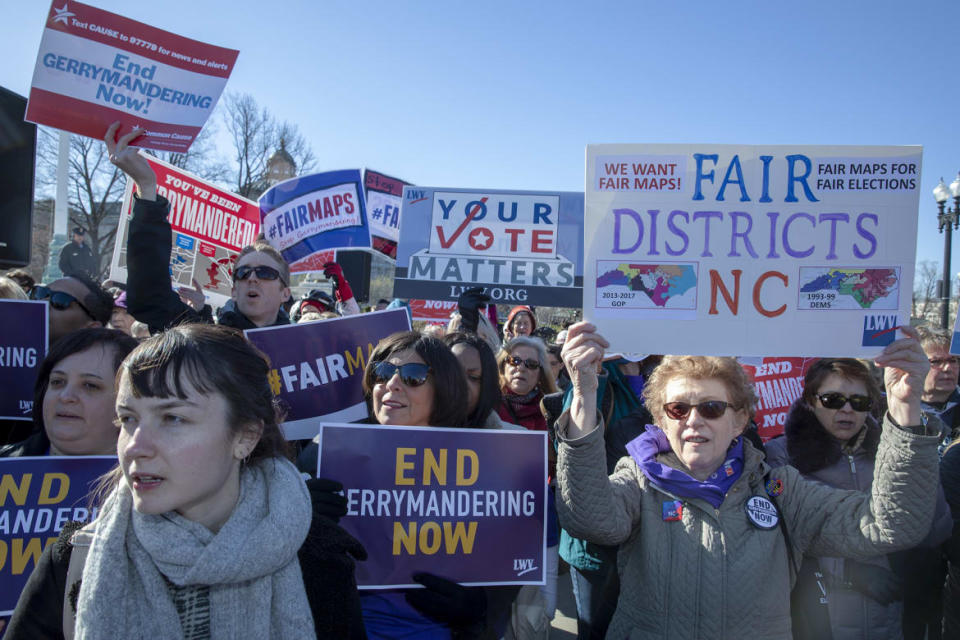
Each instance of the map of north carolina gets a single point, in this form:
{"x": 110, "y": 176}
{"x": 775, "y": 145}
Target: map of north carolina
{"x": 866, "y": 286}
{"x": 659, "y": 282}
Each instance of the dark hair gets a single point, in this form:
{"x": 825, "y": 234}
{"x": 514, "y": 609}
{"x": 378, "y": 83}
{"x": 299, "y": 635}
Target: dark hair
{"x": 98, "y": 301}
{"x": 22, "y": 278}
{"x": 849, "y": 368}
{"x": 490, "y": 397}
{"x": 449, "y": 382}
{"x": 211, "y": 359}
{"x": 75, "y": 342}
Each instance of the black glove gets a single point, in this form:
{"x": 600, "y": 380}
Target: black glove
{"x": 469, "y": 304}
{"x": 875, "y": 582}
{"x": 326, "y": 501}
{"x": 447, "y": 601}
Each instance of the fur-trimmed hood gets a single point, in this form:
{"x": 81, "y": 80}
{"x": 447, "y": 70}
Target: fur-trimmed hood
{"x": 810, "y": 447}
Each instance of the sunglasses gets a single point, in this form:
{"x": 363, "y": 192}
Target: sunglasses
{"x": 58, "y": 299}
{"x": 531, "y": 364}
{"x": 711, "y": 409}
{"x": 834, "y": 400}
{"x": 412, "y": 374}
{"x": 262, "y": 273}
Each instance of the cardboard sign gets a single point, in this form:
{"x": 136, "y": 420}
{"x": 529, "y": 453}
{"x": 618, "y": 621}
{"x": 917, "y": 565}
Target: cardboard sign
{"x": 210, "y": 226}
{"x": 778, "y": 383}
{"x": 756, "y": 250}
{"x": 37, "y": 497}
{"x": 384, "y": 196}
{"x": 317, "y": 367}
{"x": 466, "y": 504}
{"x": 23, "y": 345}
{"x": 522, "y": 247}
{"x": 308, "y": 216}
{"x": 95, "y": 67}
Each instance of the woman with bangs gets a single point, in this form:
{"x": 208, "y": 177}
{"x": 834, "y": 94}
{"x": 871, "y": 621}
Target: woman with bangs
{"x": 206, "y": 529}
{"x": 711, "y": 536}
{"x": 831, "y": 435}
{"x": 525, "y": 377}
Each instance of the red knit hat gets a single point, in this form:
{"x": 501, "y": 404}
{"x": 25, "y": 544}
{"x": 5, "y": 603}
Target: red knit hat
{"x": 522, "y": 309}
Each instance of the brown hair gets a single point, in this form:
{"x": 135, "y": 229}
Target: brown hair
{"x": 545, "y": 382}
{"x": 849, "y": 368}
{"x": 259, "y": 246}
{"x": 743, "y": 397}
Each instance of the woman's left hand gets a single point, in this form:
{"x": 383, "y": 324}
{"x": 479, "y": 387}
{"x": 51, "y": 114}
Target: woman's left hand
{"x": 905, "y": 369}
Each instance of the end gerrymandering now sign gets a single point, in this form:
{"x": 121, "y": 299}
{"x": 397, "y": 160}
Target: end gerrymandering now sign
{"x": 305, "y": 217}
{"x": 95, "y": 67}
{"x": 210, "y": 226}
{"x": 466, "y": 504}
{"x": 752, "y": 250}
{"x": 23, "y": 345}
{"x": 778, "y": 382}
{"x": 37, "y": 497}
{"x": 317, "y": 367}
{"x": 520, "y": 246}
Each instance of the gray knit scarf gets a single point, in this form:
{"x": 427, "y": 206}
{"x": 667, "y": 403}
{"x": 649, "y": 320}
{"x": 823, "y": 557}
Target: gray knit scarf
{"x": 250, "y": 565}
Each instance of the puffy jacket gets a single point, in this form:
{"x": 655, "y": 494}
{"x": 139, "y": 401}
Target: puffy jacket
{"x": 713, "y": 574}
{"x": 809, "y": 447}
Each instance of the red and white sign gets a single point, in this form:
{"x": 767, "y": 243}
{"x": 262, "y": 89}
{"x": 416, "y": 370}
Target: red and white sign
{"x": 778, "y": 383}
{"x": 432, "y": 310}
{"x": 384, "y": 197}
{"x": 209, "y": 226}
{"x": 95, "y": 67}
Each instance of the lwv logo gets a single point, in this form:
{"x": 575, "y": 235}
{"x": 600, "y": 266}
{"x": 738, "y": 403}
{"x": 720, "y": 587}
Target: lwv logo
{"x": 879, "y": 330}
{"x": 523, "y": 566}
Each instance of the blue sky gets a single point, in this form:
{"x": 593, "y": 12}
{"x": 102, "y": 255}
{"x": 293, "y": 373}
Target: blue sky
{"x": 507, "y": 94}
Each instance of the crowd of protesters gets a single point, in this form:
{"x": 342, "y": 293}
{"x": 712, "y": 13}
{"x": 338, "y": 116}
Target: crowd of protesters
{"x": 672, "y": 516}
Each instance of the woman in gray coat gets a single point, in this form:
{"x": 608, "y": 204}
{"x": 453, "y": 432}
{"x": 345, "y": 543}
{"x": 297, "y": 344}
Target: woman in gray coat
{"x": 710, "y": 536}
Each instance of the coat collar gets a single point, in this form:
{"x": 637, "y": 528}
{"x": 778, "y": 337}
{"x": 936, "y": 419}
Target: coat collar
{"x": 810, "y": 447}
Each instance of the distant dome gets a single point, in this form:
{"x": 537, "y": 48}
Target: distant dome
{"x": 281, "y": 165}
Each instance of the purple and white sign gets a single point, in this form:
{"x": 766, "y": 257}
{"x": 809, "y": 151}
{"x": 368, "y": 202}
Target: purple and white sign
{"x": 317, "y": 367}
{"x": 38, "y": 496}
{"x": 23, "y": 345}
{"x": 466, "y": 504}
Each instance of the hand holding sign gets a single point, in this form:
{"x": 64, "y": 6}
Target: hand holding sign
{"x": 193, "y": 297}
{"x": 582, "y": 352}
{"x": 129, "y": 160}
{"x": 906, "y": 369}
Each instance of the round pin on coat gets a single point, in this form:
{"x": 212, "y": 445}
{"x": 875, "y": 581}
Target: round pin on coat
{"x": 762, "y": 512}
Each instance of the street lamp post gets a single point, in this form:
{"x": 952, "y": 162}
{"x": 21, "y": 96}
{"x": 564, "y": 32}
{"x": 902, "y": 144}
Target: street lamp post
{"x": 948, "y": 219}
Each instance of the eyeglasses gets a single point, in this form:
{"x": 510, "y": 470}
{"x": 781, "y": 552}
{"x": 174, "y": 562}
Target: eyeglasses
{"x": 412, "y": 374}
{"x": 834, "y": 400}
{"x": 711, "y": 409}
{"x": 58, "y": 299}
{"x": 944, "y": 362}
{"x": 530, "y": 363}
{"x": 262, "y": 272}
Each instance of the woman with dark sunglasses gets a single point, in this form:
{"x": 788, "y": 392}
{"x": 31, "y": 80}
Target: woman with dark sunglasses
{"x": 832, "y": 435}
{"x": 711, "y": 537}
{"x": 525, "y": 377}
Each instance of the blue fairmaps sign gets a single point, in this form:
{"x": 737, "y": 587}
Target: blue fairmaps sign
{"x": 522, "y": 247}
{"x": 313, "y": 214}
{"x": 37, "y": 497}
{"x": 23, "y": 345}
{"x": 467, "y": 504}
{"x": 317, "y": 367}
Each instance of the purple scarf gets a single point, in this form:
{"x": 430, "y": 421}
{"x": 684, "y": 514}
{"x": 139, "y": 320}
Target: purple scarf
{"x": 644, "y": 449}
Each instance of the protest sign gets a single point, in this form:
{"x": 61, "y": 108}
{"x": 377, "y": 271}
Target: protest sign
{"x": 467, "y": 504}
{"x": 23, "y": 345}
{"x": 755, "y": 250}
{"x": 210, "y": 226}
{"x": 317, "y": 367}
{"x": 955, "y": 341}
{"x": 384, "y": 196}
{"x": 522, "y": 247}
{"x": 37, "y": 497}
{"x": 432, "y": 310}
{"x": 779, "y": 383}
{"x": 305, "y": 217}
{"x": 95, "y": 67}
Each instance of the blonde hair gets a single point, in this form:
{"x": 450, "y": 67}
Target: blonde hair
{"x": 10, "y": 290}
{"x": 545, "y": 382}
{"x": 740, "y": 388}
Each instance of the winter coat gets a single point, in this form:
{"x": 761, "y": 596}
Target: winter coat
{"x": 713, "y": 574}
{"x": 326, "y": 561}
{"x": 37, "y": 444}
{"x": 809, "y": 448}
{"x": 150, "y": 295}
{"x": 78, "y": 259}
{"x": 950, "y": 476}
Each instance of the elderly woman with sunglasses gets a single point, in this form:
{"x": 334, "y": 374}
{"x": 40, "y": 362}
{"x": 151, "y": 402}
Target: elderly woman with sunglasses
{"x": 525, "y": 377}
{"x": 710, "y": 535}
{"x": 832, "y": 436}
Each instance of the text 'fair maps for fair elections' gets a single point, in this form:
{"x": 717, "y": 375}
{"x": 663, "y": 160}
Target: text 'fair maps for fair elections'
{"x": 95, "y": 67}
{"x": 520, "y": 246}
{"x": 305, "y": 217}
{"x": 210, "y": 226}
{"x": 753, "y": 250}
